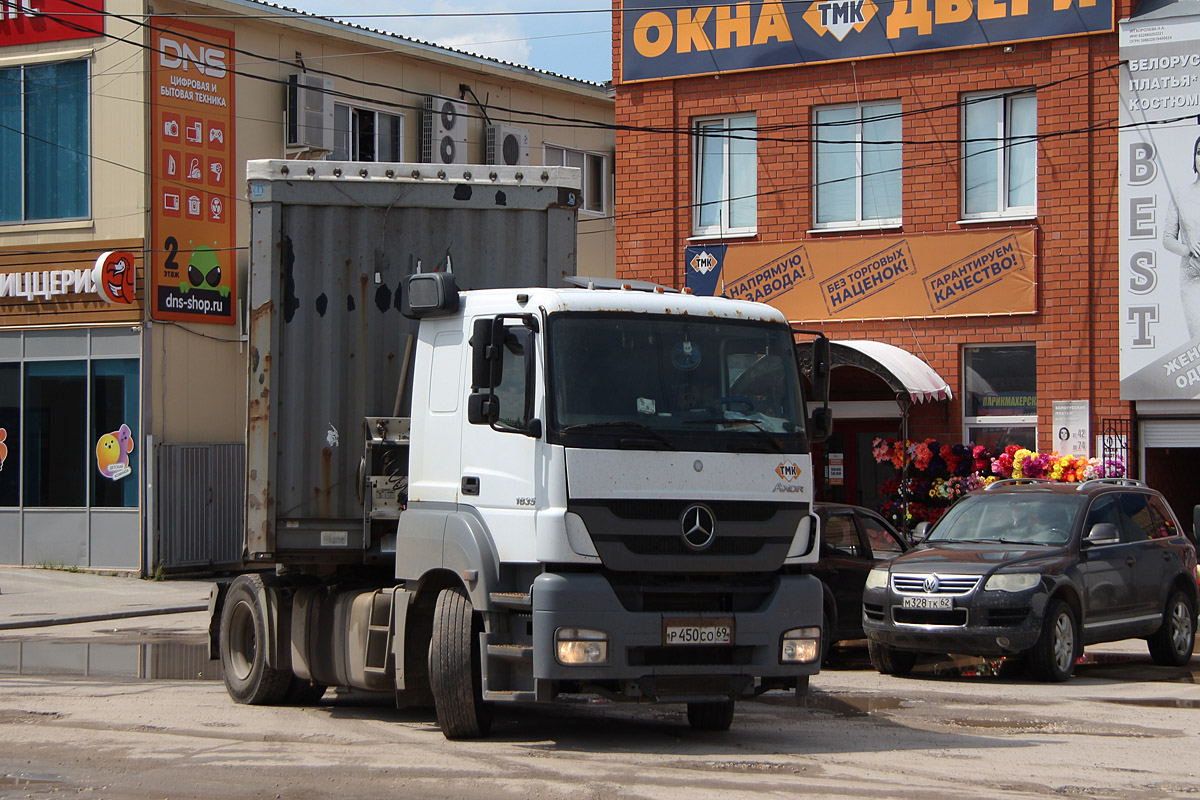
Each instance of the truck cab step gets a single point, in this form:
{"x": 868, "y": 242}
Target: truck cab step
{"x": 517, "y": 600}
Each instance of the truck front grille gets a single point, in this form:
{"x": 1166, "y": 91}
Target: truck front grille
{"x": 647, "y": 536}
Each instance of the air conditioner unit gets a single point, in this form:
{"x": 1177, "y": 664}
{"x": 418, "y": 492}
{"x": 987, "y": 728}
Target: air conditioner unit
{"x": 507, "y": 145}
{"x": 444, "y": 131}
{"x": 309, "y": 112}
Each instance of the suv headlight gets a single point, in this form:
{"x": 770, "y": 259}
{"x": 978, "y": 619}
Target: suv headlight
{"x": 877, "y": 578}
{"x": 1012, "y": 581}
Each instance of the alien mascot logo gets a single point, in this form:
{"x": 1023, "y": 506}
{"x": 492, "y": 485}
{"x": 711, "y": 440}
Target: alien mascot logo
{"x": 204, "y": 272}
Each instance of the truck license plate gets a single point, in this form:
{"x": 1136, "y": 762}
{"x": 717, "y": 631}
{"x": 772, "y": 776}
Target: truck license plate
{"x": 700, "y": 631}
{"x": 928, "y": 603}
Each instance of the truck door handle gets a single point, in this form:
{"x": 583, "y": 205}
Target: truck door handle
{"x": 470, "y": 485}
{"x": 1130, "y": 560}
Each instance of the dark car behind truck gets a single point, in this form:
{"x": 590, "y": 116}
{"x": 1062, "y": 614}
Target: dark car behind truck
{"x": 1036, "y": 570}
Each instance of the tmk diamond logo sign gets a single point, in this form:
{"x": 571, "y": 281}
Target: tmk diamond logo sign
{"x": 839, "y": 17}
{"x": 704, "y": 262}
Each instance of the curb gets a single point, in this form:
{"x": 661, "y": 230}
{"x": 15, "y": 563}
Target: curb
{"x": 71, "y": 620}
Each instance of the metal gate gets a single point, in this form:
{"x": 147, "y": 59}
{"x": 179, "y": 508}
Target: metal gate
{"x": 199, "y": 505}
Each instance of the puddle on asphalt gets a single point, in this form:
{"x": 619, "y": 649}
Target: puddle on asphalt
{"x": 1151, "y": 702}
{"x": 150, "y": 661}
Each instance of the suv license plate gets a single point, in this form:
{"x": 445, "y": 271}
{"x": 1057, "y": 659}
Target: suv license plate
{"x": 928, "y": 603}
{"x": 698, "y": 632}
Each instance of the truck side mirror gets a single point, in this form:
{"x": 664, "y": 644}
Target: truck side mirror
{"x": 487, "y": 357}
{"x": 822, "y": 365}
{"x": 482, "y": 409}
{"x": 428, "y": 294}
{"x": 822, "y": 424}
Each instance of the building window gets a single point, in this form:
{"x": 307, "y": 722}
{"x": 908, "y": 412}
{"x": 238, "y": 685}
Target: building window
{"x": 361, "y": 134}
{"x": 594, "y": 169}
{"x": 1000, "y": 155}
{"x": 1000, "y": 395}
{"x": 68, "y": 433}
{"x": 44, "y": 142}
{"x": 10, "y": 434}
{"x": 858, "y": 165}
{"x": 725, "y": 177}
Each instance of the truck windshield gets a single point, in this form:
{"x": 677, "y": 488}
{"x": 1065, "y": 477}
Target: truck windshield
{"x": 675, "y": 383}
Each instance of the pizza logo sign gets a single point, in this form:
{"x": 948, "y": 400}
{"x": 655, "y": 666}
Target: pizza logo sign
{"x": 839, "y": 17}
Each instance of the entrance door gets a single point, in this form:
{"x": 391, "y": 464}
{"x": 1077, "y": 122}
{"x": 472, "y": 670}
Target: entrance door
{"x": 861, "y": 476}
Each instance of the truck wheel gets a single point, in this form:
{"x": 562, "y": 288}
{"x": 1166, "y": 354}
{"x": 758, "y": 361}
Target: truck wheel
{"x": 1171, "y": 645}
{"x": 889, "y": 660}
{"x": 244, "y": 646}
{"x": 454, "y": 668}
{"x": 1053, "y": 657}
{"x": 716, "y": 716}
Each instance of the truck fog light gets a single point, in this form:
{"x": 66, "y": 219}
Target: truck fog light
{"x": 800, "y": 646}
{"x": 581, "y": 646}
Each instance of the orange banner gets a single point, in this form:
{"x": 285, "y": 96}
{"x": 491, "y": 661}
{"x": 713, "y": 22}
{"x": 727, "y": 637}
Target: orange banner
{"x": 930, "y": 275}
{"x": 194, "y": 263}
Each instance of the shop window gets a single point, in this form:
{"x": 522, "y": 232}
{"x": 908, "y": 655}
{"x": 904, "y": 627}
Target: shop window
{"x": 115, "y": 475}
{"x": 857, "y": 165}
{"x": 593, "y": 168}
{"x": 44, "y": 142}
{"x": 999, "y": 155}
{"x": 1000, "y": 396}
{"x": 361, "y": 134}
{"x": 10, "y": 434}
{"x": 725, "y": 177}
{"x": 54, "y": 441}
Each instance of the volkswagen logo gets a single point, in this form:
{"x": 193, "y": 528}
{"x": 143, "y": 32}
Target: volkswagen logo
{"x": 699, "y": 526}
{"x": 931, "y": 584}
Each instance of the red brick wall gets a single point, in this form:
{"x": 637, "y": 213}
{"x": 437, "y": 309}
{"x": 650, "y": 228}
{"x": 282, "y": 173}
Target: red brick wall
{"x": 1075, "y": 327}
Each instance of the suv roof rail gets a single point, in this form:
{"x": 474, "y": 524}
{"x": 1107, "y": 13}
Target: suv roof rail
{"x": 1015, "y": 482}
{"x": 1112, "y": 481}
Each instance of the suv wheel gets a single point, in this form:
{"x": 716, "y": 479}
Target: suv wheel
{"x": 889, "y": 660}
{"x": 1053, "y": 657}
{"x": 1171, "y": 645}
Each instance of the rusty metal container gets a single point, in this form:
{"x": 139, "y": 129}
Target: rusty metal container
{"x": 330, "y": 243}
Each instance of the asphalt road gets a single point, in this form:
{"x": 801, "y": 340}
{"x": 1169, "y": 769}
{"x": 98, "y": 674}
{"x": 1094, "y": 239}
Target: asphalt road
{"x": 132, "y": 709}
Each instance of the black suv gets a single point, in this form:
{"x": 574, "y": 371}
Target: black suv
{"x": 1038, "y": 569}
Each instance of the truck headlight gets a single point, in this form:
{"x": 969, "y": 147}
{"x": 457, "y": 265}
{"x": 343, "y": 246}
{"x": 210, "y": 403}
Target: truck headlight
{"x": 1012, "y": 581}
{"x": 800, "y": 646}
{"x": 577, "y": 646}
{"x": 877, "y": 578}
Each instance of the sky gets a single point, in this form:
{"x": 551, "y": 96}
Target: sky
{"x": 575, "y": 45}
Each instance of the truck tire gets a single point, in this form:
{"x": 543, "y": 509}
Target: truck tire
{"x": 454, "y": 668}
{"x": 717, "y": 716}
{"x": 889, "y": 660}
{"x": 248, "y": 679}
{"x": 1053, "y": 657}
{"x": 1171, "y": 645}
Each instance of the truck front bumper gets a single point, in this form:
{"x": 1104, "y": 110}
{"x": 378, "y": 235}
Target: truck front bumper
{"x": 640, "y": 664}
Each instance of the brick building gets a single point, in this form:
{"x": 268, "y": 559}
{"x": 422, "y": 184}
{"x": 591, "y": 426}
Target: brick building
{"x": 936, "y": 176}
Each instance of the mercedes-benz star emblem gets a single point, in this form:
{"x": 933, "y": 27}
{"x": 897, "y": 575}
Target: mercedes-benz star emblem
{"x": 931, "y": 584}
{"x": 699, "y": 526}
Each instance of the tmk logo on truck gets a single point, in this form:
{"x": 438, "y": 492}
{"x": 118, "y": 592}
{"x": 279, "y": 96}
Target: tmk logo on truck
{"x": 839, "y": 17}
{"x": 789, "y": 471}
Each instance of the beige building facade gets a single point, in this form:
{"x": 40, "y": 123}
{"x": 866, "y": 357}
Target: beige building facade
{"x": 124, "y": 233}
